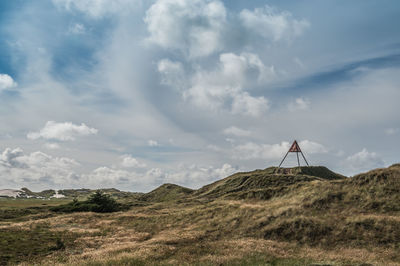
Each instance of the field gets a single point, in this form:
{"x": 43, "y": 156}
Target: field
{"x": 256, "y": 218}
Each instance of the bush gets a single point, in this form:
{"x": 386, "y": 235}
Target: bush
{"x": 103, "y": 202}
{"x": 97, "y": 202}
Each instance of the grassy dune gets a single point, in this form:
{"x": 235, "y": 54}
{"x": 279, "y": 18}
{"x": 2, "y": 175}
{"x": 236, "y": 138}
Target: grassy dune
{"x": 265, "y": 217}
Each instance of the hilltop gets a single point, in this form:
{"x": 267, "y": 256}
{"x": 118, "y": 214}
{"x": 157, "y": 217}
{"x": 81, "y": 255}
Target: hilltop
{"x": 264, "y": 184}
{"x": 166, "y": 192}
{"x": 274, "y": 216}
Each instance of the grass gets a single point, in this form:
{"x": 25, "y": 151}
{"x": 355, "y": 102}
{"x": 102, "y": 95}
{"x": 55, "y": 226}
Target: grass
{"x": 304, "y": 220}
{"x": 13, "y": 210}
{"x": 11, "y": 203}
{"x": 166, "y": 192}
{"x": 257, "y": 259}
{"x": 31, "y": 244}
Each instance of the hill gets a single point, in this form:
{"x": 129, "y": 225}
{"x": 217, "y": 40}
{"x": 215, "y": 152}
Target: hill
{"x": 166, "y": 192}
{"x": 267, "y": 183}
{"x": 285, "y": 216}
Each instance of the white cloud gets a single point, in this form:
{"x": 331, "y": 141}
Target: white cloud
{"x": 172, "y": 73}
{"x": 251, "y": 150}
{"x": 245, "y": 104}
{"x": 214, "y": 148}
{"x": 97, "y": 8}
{"x": 299, "y": 62}
{"x": 273, "y": 25}
{"x": 311, "y": 147}
{"x": 6, "y": 82}
{"x": 52, "y": 146}
{"x": 236, "y": 131}
{"x": 194, "y": 27}
{"x": 196, "y": 176}
{"x": 129, "y": 162}
{"x": 108, "y": 177}
{"x": 153, "y": 143}
{"x": 9, "y": 156}
{"x": 363, "y": 160}
{"x": 77, "y": 28}
{"x": 62, "y": 131}
{"x": 245, "y": 69}
{"x": 186, "y": 175}
{"x": 392, "y": 131}
{"x": 224, "y": 88}
{"x": 36, "y": 167}
{"x": 40, "y": 170}
{"x": 299, "y": 104}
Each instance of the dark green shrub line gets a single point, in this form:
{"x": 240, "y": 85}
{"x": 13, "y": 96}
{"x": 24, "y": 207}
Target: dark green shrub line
{"x": 97, "y": 202}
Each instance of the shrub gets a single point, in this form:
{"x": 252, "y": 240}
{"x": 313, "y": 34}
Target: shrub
{"x": 97, "y": 202}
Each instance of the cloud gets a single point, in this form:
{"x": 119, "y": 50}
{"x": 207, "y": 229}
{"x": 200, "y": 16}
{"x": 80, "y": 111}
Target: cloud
{"x": 251, "y": 150}
{"x": 35, "y": 168}
{"x": 245, "y": 104}
{"x": 172, "y": 73}
{"x": 363, "y": 160}
{"x": 9, "y": 157}
{"x": 193, "y": 27}
{"x": 109, "y": 177}
{"x": 311, "y": 147}
{"x": 196, "y": 176}
{"x": 77, "y": 28}
{"x": 52, "y": 146}
{"x": 299, "y": 104}
{"x": 40, "y": 170}
{"x": 391, "y": 131}
{"x": 225, "y": 87}
{"x": 129, "y": 162}
{"x": 273, "y": 25}
{"x": 62, "y": 131}
{"x": 97, "y": 8}
{"x": 6, "y": 82}
{"x": 236, "y": 131}
{"x": 153, "y": 143}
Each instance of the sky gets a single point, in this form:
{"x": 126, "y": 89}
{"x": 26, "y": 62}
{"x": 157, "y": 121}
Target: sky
{"x": 132, "y": 94}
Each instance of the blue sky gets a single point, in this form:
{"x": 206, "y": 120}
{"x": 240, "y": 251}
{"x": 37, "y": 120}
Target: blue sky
{"x": 133, "y": 94}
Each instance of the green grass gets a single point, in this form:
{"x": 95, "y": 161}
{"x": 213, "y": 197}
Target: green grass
{"x": 259, "y": 259}
{"x": 27, "y": 209}
{"x": 167, "y": 192}
{"x": 255, "y": 259}
{"x": 10, "y": 203}
{"x": 250, "y": 260}
{"x": 18, "y": 245}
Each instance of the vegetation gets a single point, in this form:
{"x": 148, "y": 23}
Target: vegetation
{"x": 265, "y": 184}
{"x": 31, "y": 244}
{"x": 167, "y": 192}
{"x": 97, "y": 202}
{"x": 274, "y": 216}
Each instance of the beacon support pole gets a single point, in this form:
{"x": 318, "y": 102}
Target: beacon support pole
{"x": 295, "y": 148}
{"x": 283, "y": 159}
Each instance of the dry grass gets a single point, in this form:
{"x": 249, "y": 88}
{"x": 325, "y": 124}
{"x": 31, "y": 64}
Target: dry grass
{"x": 220, "y": 232}
{"x": 340, "y": 222}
